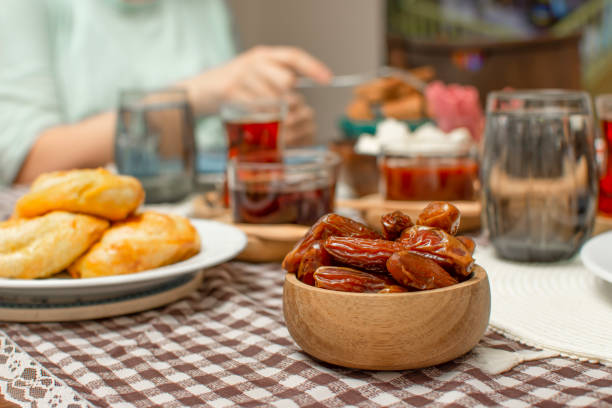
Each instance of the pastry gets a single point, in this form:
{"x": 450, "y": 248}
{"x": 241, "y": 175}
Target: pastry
{"x": 95, "y": 192}
{"x": 425, "y": 73}
{"x": 143, "y": 241}
{"x": 359, "y": 109}
{"x": 407, "y": 108}
{"x": 378, "y": 90}
{"x": 390, "y": 97}
{"x": 43, "y": 246}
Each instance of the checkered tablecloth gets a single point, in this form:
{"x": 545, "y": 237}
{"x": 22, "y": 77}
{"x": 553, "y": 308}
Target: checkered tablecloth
{"x": 227, "y": 345}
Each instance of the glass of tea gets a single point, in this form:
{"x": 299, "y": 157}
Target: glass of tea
{"x": 539, "y": 173}
{"x": 429, "y": 175}
{"x": 254, "y": 129}
{"x": 154, "y": 142}
{"x": 297, "y": 190}
{"x": 603, "y": 103}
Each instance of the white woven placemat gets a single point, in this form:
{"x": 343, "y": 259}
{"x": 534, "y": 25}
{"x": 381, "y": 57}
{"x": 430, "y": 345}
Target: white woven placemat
{"x": 558, "y": 306}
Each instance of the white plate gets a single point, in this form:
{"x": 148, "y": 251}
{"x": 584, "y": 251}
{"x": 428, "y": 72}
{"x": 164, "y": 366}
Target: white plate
{"x": 596, "y": 255}
{"x": 220, "y": 243}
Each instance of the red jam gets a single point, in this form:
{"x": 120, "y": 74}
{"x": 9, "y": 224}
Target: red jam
{"x": 429, "y": 179}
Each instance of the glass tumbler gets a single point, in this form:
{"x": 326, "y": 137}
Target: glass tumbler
{"x": 539, "y": 173}
{"x": 254, "y": 129}
{"x": 154, "y": 142}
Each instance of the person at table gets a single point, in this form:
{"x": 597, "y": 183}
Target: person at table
{"x": 63, "y": 63}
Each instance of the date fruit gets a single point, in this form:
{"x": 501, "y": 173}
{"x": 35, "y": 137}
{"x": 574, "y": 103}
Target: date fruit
{"x": 393, "y": 224}
{"x": 394, "y": 289}
{"x": 362, "y": 253}
{"x": 327, "y": 226}
{"x": 416, "y": 271}
{"x": 315, "y": 257}
{"x": 351, "y": 280}
{"x": 340, "y": 254}
{"x": 469, "y": 243}
{"x": 440, "y": 214}
{"x": 439, "y": 246}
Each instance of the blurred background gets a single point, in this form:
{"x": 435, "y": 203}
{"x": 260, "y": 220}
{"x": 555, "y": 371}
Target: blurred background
{"x": 490, "y": 44}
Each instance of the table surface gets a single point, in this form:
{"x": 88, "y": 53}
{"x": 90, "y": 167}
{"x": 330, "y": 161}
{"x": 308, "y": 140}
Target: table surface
{"x": 226, "y": 344}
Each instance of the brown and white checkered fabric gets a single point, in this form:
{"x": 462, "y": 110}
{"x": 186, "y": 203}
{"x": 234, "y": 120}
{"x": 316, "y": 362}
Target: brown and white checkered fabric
{"x": 227, "y": 345}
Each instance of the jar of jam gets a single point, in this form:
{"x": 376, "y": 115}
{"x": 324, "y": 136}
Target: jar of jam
{"x": 429, "y": 173}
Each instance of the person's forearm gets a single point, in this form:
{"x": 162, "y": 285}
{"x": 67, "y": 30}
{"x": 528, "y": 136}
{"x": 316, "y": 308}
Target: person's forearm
{"x": 88, "y": 143}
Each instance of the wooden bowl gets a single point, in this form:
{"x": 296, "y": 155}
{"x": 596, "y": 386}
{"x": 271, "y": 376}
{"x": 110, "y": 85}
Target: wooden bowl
{"x": 388, "y": 331}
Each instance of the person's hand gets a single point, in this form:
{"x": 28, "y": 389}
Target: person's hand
{"x": 269, "y": 72}
{"x": 260, "y": 73}
{"x": 299, "y": 126}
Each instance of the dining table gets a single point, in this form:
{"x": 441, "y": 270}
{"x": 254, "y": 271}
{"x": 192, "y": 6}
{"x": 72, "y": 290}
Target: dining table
{"x": 226, "y": 344}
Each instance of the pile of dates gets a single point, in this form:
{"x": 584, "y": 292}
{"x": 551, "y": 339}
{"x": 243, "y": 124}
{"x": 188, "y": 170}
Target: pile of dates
{"x": 340, "y": 254}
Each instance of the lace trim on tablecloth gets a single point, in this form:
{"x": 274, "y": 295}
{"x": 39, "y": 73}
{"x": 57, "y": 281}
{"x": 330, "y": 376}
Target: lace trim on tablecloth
{"x": 24, "y": 381}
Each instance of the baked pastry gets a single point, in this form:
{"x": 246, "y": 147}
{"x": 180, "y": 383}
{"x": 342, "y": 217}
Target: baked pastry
{"x": 359, "y": 109}
{"x": 94, "y": 191}
{"x": 391, "y": 97}
{"x": 424, "y": 73}
{"x": 378, "y": 90}
{"x": 43, "y": 246}
{"x": 407, "y": 108}
{"x": 143, "y": 241}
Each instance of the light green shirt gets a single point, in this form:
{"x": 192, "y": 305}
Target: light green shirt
{"x": 64, "y": 60}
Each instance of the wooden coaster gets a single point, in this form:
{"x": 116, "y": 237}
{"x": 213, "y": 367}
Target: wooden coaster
{"x": 266, "y": 242}
{"x": 164, "y": 294}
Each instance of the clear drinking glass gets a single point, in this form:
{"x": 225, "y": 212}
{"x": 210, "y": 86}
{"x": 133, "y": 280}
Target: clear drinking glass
{"x": 539, "y": 173}
{"x": 154, "y": 142}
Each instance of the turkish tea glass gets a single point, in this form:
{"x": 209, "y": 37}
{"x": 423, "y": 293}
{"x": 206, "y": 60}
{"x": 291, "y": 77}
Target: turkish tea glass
{"x": 539, "y": 173}
{"x": 603, "y": 104}
{"x": 254, "y": 129}
{"x": 154, "y": 142}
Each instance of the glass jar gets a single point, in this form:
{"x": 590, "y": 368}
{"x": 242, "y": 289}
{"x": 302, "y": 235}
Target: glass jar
{"x": 429, "y": 174}
{"x": 298, "y": 190}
